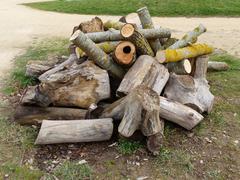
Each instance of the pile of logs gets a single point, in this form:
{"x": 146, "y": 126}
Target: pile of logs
{"x": 127, "y": 73}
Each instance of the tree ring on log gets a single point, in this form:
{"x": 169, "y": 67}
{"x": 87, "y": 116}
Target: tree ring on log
{"x": 187, "y": 66}
{"x": 127, "y": 30}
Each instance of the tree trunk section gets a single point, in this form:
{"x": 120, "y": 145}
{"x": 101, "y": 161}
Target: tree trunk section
{"x": 55, "y": 132}
{"x": 182, "y": 67}
{"x": 131, "y": 18}
{"x": 95, "y": 25}
{"x": 217, "y": 66}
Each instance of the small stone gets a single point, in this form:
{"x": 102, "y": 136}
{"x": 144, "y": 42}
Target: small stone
{"x": 82, "y": 161}
{"x": 235, "y": 114}
{"x": 142, "y": 177}
{"x": 201, "y": 161}
{"x": 113, "y": 144}
{"x": 236, "y": 142}
{"x": 145, "y": 159}
{"x": 137, "y": 163}
{"x": 208, "y": 140}
{"x": 117, "y": 157}
{"x": 6, "y": 175}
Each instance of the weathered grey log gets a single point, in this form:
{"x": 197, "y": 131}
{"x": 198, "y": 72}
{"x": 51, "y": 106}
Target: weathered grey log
{"x": 146, "y": 70}
{"x": 217, "y": 66}
{"x": 54, "y": 132}
{"x": 33, "y": 115}
{"x": 115, "y": 35}
{"x": 193, "y": 92}
{"x": 113, "y": 24}
{"x": 182, "y": 67}
{"x": 147, "y": 23}
{"x": 130, "y": 33}
{"x": 96, "y": 54}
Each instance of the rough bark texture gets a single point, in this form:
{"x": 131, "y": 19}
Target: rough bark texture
{"x": 125, "y": 53}
{"x": 146, "y": 70}
{"x": 147, "y": 23}
{"x": 32, "y": 115}
{"x": 115, "y": 35}
{"x": 96, "y": 54}
{"x": 53, "y": 132}
{"x": 95, "y": 25}
{"x": 174, "y": 55}
{"x": 130, "y": 33}
{"x": 217, "y": 66}
{"x": 181, "y": 67}
{"x": 113, "y": 24}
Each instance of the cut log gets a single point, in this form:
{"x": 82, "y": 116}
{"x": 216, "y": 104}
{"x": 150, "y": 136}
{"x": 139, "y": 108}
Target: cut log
{"x": 115, "y": 35}
{"x": 146, "y": 70}
{"x": 190, "y": 37}
{"x": 147, "y": 23}
{"x": 95, "y": 25}
{"x": 96, "y": 54}
{"x": 113, "y": 24}
{"x": 131, "y": 18}
{"x": 193, "y": 92}
{"x": 217, "y": 66}
{"x": 130, "y": 33}
{"x": 181, "y": 67}
{"x": 54, "y": 132}
{"x": 66, "y": 64}
{"x": 107, "y": 47}
{"x": 125, "y": 53}
{"x": 174, "y": 55}
{"x": 32, "y": 115}
{"x": 166, "y": 44}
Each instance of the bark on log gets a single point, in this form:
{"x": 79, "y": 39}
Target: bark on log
{"x": 217, "y": 66}
{"x": 95, "y": 25}
{"x": 190, "y": 37}
{"x": 115, "y": 35}
{"x": 125, "y": 53}
{"x": 107, "y": 47}
{"x": 147, "y": 23}
{"x": 146, "y": 70}
{"x": 130, "y": 33}
{"x": 174, "y": 55}
{"x": 53, "y": 132}
{"x": 193, "y": 92}
{"x": 113, "y": 24}
{"x": 181, "y": 67}
{"x": 33, "y": 115}
{"x": 96, "y": 54}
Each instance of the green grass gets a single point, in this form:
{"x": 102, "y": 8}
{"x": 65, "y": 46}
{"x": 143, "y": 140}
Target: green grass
{"x": 128, "y": 147}
{"x": 156, "y": 7}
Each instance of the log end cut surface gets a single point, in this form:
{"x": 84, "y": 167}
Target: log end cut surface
{"x": 125, "y": 53}
{"x": 127, "y": 30}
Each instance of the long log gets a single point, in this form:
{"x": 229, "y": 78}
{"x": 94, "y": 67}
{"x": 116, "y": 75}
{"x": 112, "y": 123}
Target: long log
{"x": 146, "y": 70}
{"x": 33, "y": 115}
{"x": 130, "y": 33}
{"x": 174, "y": 55}
{"x": 113, "y": 24}
{"x": 53, "y": 132}
{"x": 217, "y": 66}
{"x": 181, "y": 67}
{"x": 96, "y": 54}
{"x": 115, "y": 35}
{"x": 147, "y": 23}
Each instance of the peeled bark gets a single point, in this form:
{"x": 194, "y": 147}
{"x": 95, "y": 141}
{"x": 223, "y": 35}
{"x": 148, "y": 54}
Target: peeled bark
{"x": 174, "y": 55}
{"x": 182, "y": 67}
{"x": 96, "y": 54}
{"x": 125, "y": 53}
{"x": 33, "y": 115}
{"x": 217, "y": 66}
{"x": 146, "y": 70}
{"x": 130, "y": 33}
{"x": 113, "y": 24}
{"x": 54, "y": 132}
{"x": 147, "y": 23}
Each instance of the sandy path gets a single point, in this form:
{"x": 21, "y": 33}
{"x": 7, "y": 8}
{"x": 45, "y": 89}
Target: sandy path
{"x": 20, "y": 25}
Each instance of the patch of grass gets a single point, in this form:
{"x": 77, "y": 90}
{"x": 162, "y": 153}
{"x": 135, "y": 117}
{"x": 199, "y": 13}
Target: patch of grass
{"x": 128, "y": 147}
{"x": 40, "y": 50}
{"x": 156, "y": 7}
{"x": 72, "y": 170}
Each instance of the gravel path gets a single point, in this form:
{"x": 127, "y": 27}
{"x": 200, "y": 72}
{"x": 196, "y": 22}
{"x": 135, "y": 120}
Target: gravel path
{"x": 20, "y": 25}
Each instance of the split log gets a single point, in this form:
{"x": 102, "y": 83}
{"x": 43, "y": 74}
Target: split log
{"x": 107, "y": 47}
{"x": 115, "y": 35}
{"x": 96, "y": 54}
{"x": 147, "y": 23}
{"x": 217, "y": 66}
{"x": 113, "y": 24}
{"x": 190, "y": 37}
{"x": 32, "y": 115}
{"x": 66, "y": 64}
{"x": 174, "y": 55}
{"x": 95, "y": 25}
{"x": 125, "y": 53}
{"x": 146, "y": 70}
{"x": 131, "y": 18}
{"x": 193, "y": 92}
{"x": 181, "y": 67}
{"x": 53, "y": 132}
{"x": 130, "y": 33}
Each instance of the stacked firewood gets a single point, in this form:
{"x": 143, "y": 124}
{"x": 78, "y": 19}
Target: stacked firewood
{"x": 127, "y": 73}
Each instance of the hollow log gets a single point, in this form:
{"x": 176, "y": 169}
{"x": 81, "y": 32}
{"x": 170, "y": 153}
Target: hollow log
{"x": 113, "y": 24}
{"x": 95, "y": 25}
{"x": 96, "y": 54}
{"x": 174, "y": 55}
{"x": 181, "y": 67}
{"x": 146, "y": 70}
{"x": 33, "y": 115}
{"x": 217, "y": 66}
{"x": 107, "y": 47}
{"x": 147, "y": 23}
{"x": 115, "y": 35}
{"x": 125, "y": 53}
{"x": 130, "y": 33}
{"x": 54, "y": 132}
